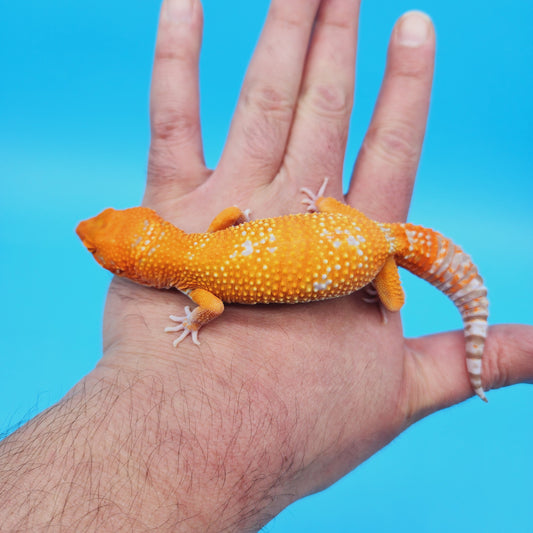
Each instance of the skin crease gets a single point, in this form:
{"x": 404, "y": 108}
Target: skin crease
{"x": 278, "y": 401}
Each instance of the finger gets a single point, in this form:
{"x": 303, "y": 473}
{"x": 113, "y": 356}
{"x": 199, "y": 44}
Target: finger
{"x": 435, "y": 372}
{"x": 176, "y": 161}
{"x": 320, "y": 129}
{"x": 258, "y": 134}
{"x": 385, "y": 169}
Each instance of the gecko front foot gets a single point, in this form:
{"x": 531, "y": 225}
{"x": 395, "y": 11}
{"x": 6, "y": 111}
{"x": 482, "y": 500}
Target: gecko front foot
{"x": 311, "y": 199}
{"x": 184, "y": 327}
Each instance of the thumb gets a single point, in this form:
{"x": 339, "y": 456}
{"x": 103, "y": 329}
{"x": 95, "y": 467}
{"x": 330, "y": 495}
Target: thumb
{"x": 435, "y": 368}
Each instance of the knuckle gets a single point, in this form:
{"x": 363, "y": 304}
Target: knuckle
{"x": 328, "y": 100}
{"x": 269, "y": 101}
{"x": 173, "y": 125}
{"x": 284, "y": 14}
{"x": 168, "y": 51}
{"x": 410, "y": 66}
{"x": 395, "y": 144}
{"x": 496, "y": 364}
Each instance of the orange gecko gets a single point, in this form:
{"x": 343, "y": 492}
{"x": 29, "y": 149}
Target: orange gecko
{"x": 333, "y": 250}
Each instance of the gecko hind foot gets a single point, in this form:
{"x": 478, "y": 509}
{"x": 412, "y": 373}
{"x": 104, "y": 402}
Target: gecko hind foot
{"x": 184, "y": 327}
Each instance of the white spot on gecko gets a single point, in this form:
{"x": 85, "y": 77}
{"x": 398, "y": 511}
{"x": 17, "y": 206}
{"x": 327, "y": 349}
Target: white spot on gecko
{"x": 321, "y": 286}
{"x": 248, "y": 247}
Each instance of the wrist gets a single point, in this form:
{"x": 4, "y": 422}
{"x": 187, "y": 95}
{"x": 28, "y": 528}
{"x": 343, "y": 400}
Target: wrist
{"x": 217, "y": 451}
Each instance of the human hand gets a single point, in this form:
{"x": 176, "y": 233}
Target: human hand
{"x": 301, "y": 394}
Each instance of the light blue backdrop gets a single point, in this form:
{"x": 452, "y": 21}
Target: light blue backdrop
{"x": 73, "y": 140}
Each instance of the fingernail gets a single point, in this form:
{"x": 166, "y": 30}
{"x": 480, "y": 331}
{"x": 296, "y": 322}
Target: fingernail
{"x": 178, "y": 10}
{"x": 413, "y": 29}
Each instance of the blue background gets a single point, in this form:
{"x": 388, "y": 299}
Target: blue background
{"x": 73, "y": 139}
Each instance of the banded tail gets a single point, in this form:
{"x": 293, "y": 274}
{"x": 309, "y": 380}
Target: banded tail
{"x": 435, "y": 258}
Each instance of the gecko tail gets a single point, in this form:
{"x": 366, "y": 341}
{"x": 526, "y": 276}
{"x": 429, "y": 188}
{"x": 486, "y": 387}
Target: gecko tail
{"x": 435, "y": 258}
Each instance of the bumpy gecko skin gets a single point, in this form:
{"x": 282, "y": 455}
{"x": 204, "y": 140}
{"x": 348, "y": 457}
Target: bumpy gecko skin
{"x": 329, "y": 252}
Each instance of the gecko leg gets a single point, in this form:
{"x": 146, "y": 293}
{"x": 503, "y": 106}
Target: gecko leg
{"x": 389, "y": 287}
{"x": 231, "y": 216}
{"x": 326, "y": 204}
{"x": 311, "y": 200}
{"x": 209, "y": 308}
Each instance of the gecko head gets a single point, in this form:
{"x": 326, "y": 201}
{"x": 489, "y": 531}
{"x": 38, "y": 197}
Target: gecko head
{"x": 109, "y": 237}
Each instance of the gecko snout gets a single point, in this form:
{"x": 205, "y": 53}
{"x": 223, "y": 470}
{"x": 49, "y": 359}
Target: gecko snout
{"x": 83, "y": 234}
{"x": 92, "y": 230}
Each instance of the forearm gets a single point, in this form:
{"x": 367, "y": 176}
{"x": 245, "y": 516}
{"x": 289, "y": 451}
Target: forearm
{"x": 121, "y": 453}
{"x": 63, "y": 469}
